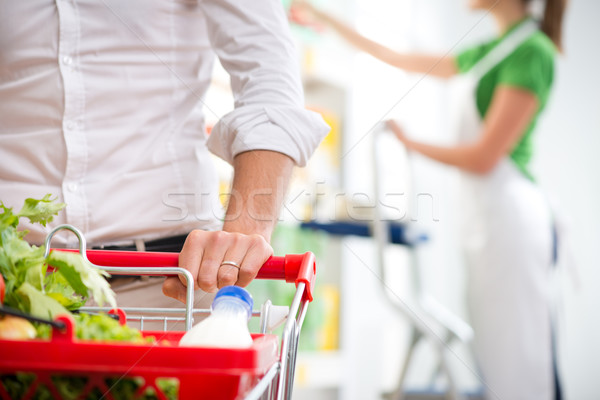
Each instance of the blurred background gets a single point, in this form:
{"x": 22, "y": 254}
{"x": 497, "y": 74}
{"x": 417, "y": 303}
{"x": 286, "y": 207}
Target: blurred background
{"x": 370, "y": 295}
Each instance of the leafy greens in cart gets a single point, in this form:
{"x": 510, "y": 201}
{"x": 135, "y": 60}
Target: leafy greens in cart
{"x": 32, "y": 288}
{"x": 28, "y": 286}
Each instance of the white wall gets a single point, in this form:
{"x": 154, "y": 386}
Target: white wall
{"x": 568, "y": 163}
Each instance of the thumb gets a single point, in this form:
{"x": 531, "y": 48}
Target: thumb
{"x": 172, "y": 287}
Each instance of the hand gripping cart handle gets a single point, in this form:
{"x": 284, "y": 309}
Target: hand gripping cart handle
{"x": 259, "y": 372}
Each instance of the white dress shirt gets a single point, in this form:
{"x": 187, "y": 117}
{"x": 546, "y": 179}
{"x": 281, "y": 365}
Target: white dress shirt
{"x": 101, "y": 105}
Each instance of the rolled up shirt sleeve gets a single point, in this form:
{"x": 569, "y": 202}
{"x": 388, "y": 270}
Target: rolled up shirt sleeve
{"x": 253, "y": 43}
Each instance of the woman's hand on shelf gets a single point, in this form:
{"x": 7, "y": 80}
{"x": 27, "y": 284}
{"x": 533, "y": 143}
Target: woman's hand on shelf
{"x": 398, "y": 131}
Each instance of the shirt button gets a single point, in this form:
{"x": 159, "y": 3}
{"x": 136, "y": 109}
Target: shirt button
{"x": 72, "y": 187}
{"x": 70, "y": 125}
{"x": 67, "y": 60}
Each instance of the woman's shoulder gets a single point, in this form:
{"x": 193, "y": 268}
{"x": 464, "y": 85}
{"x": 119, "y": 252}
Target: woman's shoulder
{"x": 538, "y": 44}
{"x": 536, "y": 53}
{"x": 530, "y": 66}
{"x": 468, "y": 57}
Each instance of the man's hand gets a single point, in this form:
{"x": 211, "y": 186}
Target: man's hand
{"x": 259, "y": 186}
{"x": 204, "y": 252}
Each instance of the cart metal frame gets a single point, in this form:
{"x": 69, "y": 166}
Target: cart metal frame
{"x": 454, "y": 328}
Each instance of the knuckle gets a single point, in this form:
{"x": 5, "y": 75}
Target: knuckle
{"x": 227, "y": 276}
{"x": 219, "y": 238}
{"x": 195, "y": 239}
{"x": 226, "y": 281}
{"x": 205, "y": 281}
{"x": 195, "y": 236}
{"x": 208, "y": 287}
{"x": 256, "y": 240}
{"x": 250, "y": 273}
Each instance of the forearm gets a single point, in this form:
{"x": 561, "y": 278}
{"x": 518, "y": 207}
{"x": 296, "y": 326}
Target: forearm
{"x": 439, "y": 66}
{"x": 443, "y": 67}
{"x": 466, "y": 157}
{"x": 508, "y": 117}
{"x": 259, "y": 186}
{"x": 356, "y": 39}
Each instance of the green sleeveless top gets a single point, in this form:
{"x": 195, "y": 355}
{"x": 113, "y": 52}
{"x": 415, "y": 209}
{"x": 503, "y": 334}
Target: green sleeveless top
{"x": 529, "y": 67}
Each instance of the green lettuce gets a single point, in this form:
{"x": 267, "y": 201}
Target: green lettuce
{"x": 40, "y": 211}
{"x": 29, "y": 287}
{"x": 82, "y": 276}
{"x": 38, "y": 304}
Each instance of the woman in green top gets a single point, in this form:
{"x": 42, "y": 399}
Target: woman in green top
{"x": 502, "y": 86}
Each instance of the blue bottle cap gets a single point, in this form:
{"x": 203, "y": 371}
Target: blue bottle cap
{"x": 237, "y": 292}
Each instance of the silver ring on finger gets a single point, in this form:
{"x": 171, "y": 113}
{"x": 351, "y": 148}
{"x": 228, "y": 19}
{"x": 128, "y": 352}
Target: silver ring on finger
{"x": 231, "y": 263}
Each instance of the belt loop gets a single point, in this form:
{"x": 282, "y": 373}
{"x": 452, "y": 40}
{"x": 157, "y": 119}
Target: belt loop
{"x": 140, "y": 245}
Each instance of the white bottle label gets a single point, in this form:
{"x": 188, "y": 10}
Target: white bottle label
{"x": 219, "y": 330}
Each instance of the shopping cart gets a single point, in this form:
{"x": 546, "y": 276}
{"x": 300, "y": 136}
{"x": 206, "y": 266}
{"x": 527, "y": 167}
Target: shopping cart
{"x": 430, "y": 322}
{"x": 259, "y": 372}
{"x": 453, "y": 328}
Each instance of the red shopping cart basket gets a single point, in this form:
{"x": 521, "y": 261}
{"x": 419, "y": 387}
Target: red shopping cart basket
{"x": 161, "y": 367}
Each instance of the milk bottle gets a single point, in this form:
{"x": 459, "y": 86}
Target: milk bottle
{"x": 227, "y": 326}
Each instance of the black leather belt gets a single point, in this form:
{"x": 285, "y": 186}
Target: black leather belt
{"x": 169, "y": 244}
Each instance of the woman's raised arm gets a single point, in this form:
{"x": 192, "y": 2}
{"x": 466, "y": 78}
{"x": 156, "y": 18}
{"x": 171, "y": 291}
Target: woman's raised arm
{"x": 439, "y": 66}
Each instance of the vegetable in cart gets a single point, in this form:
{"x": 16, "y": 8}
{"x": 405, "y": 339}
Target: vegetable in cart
{"x": 28, "y": 285}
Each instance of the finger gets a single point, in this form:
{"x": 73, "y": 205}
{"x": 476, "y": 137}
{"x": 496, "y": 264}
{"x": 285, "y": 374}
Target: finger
{"x": 237, "y": 248}
{"x": 192, "y": 252}
{"x": 173, "y": 287}
{"x": 258, "y": 253}
{"x": 216, "y": 245}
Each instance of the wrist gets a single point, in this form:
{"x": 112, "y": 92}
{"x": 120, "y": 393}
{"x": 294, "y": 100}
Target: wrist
{"x": 250, "y": 227}
{"x": 253, "y": 212}
{"x": 319, "y": 15}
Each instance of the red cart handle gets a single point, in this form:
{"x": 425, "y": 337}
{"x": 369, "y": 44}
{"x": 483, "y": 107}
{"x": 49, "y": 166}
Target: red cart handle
{"x": 291, "y": 268}
{"x": 2, "y": 288}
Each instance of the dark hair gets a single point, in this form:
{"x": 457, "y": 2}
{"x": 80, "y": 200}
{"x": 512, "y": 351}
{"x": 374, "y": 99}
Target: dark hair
{"x": 552, "y": 20}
